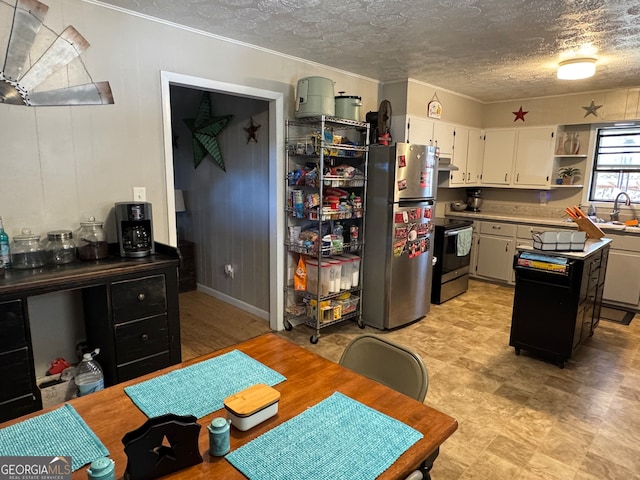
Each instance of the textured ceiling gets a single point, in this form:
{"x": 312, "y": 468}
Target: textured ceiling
{"x": 489, "y": 50}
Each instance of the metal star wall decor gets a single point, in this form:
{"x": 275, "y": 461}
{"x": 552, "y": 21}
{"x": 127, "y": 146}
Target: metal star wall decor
{"x": 519, "y": 114}
{"x": 35, "y": 53}
{"x": 251, "y": 130}
{"x": 592, "y": 109}
{"x": 205, "y": 129}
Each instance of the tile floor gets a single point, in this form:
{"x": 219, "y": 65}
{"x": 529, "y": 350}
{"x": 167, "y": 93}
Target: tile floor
{"x": 519, "y": 417}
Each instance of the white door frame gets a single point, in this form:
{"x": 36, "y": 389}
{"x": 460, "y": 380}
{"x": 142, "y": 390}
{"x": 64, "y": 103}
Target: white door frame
{"x": 276, "y": 174}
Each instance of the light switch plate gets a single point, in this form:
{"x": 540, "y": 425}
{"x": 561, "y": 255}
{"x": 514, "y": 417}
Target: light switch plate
{"x": 139, "y": 194}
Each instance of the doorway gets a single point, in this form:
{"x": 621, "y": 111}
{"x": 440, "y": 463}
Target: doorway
{"x": 246, "y": 236}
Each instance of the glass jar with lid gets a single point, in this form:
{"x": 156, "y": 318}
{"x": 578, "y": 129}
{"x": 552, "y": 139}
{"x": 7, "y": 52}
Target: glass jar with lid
{"x": 60, "y": 247}
{"x": 92, "y": 240}
{"x": 27, "y": 251}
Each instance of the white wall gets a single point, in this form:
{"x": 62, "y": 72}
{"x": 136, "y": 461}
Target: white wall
{"x": 62, "y": 164}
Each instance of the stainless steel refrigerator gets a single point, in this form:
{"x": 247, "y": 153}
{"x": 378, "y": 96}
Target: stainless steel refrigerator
{"x": 400, "y": 204}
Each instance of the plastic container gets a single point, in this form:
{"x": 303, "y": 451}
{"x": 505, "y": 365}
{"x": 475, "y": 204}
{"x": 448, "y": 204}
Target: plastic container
{"x": 92, "y": 240}
{"x": 60, "y": 247}
{"x": 355, "y": 268}
{"x": 315, "y": 284}
{"x": 27, "y": 251}
{"x": 89, "y": 377}
{"x": 251, "y": 406}
{"x": 335, "y": 274}
{"x": 346, "y": 278}
{"x": 349, "y": 304}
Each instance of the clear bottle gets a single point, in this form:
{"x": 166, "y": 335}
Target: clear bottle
{"x": 92, "y": 240}
{"x": 5, "y": 258}
{"x": 89, "y": 377}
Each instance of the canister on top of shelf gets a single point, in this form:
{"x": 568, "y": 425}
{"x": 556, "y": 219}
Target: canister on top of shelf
{"x": 27, "y": 251}
{"x": 314, "y": 97}
{"x": 348, "y": 106}
{"x": 92, "y": 240}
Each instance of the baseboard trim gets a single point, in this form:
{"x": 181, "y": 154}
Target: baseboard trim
{"x": 234, "y": 301}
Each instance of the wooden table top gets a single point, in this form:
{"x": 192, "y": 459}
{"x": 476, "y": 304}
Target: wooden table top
{"x": 310, "y": 379}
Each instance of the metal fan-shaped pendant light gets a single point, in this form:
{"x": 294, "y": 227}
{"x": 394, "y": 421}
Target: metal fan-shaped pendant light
{"x": 34, "y": 55}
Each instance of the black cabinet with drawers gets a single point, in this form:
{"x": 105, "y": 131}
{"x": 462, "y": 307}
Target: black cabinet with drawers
{"x": 555, "y": 312}
{"x": 130, "y": 311}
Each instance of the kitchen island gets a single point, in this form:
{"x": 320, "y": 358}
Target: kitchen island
{"x": 558, "y": 298}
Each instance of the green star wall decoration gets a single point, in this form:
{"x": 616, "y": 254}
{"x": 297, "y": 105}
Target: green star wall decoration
{"x": 205, "y": 129}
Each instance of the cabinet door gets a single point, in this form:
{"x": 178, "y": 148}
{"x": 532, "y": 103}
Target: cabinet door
{"x": 444, "y": 137}
{"x": 499, "y": 150}
{"x": 411, "y": 129}
{"x": 475, "y": 151}
{"x": 495, "y": 258}
{"x": 534, "y": 156}
{"x": 622, "y": 279}
{"x": 460, "y": 154}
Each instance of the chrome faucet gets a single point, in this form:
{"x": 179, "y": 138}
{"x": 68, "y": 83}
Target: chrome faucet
{"x": 615, "y": 215}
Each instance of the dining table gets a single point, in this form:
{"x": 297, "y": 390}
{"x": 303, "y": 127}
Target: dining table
{"x": 309, "y": 379}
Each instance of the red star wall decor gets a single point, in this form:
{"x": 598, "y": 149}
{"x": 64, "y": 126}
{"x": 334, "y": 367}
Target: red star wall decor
{"x": 519, "y": 114}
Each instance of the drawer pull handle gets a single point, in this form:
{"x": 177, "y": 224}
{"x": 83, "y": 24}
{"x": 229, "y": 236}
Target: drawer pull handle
{"x": 144, "y": 337}
{"x": 141, "y": 297}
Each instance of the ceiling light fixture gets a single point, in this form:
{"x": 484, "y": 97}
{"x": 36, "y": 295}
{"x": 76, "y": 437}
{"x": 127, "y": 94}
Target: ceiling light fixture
{"x": 577, "y": 68}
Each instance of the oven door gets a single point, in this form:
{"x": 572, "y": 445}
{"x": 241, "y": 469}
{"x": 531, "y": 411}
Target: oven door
{"x": 454, "y": 265}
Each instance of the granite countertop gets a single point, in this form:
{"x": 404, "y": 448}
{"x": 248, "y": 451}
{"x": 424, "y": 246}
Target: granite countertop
{"x": 548, "y": 221}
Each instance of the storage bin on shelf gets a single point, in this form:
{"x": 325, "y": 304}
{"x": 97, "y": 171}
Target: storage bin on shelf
{"x": 312, "y": 277}
{"x": 348, "y": 303}
{"x": 335, "y": 274}
{"x": 350, "y": 270}
{"x": 325, "y": 311}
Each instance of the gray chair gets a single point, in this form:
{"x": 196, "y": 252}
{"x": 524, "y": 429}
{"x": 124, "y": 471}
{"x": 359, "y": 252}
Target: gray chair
{"x": 394, "y": 366}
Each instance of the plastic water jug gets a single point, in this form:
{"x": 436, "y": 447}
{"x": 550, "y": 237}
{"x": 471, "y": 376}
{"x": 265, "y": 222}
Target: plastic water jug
{"x": 89, "y": 377}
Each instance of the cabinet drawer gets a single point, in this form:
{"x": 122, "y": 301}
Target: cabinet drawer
{"x": 141, "y": 338}
{"x": 497, "y": 228}
{"x": 138, "y": 298}
{"x": 143, "y": 366}
{"x": 12, "y": 326}
{"x": 525, "y": 231}
{"x": 15, "y": 372}
{"x": 19, "y": 406}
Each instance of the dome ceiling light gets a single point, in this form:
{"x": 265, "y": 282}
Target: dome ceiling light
{"x": 30, "y": 72}
{"x": 576, "y": 68}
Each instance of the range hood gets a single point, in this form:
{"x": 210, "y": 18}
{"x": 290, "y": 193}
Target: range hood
{"x": 445, "y": 165}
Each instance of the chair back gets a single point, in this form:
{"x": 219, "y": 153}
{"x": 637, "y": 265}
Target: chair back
{"x": 388, "y": 363}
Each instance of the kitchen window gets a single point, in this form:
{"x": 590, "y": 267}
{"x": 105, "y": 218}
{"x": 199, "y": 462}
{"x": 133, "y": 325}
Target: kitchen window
{"x": 616, "y": 167}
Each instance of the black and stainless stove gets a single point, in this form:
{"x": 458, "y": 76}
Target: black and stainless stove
{"x": 452, "y": 248}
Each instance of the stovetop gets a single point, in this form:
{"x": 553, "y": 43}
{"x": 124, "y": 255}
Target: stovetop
{"x": 450, "y": 223}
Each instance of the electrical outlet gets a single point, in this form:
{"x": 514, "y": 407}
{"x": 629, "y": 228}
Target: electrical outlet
{"x": 543, "y": 198}
{"x": 139, "y": 194}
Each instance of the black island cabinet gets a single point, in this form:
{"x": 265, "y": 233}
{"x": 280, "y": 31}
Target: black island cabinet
{"x": 558, "y": 298}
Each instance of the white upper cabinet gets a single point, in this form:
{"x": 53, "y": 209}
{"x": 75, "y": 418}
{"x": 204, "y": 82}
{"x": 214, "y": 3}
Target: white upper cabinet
{"x": 499, "y": 152}
{"x": 467, "y": 157}
{"x": 411, "y": 129}
{"x": 521, "y": 157}
{"x": 534, "y": 156}
{"x": 444, "y": 137}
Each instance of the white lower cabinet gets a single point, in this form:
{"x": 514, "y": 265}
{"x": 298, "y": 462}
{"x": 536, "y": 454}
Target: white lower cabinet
{"x": 622, "y": 279}
{"x": 495, "y": 250}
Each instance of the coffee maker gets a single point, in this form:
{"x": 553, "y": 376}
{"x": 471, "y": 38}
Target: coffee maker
{"x": 135, "y": 229}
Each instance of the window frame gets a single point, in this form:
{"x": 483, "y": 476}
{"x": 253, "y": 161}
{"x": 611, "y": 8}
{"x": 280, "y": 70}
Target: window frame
{"x": 624, "y": 173}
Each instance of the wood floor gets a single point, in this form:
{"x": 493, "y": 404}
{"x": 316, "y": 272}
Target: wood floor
{"x": 208, "y": 324}
{"x": 520, "y": 418}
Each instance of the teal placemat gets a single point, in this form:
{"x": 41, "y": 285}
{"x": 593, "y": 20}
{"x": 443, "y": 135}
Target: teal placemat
{"x": 339, "y": 438}
{"x": 201, "y": 388}
{"x": 59, "y": 433}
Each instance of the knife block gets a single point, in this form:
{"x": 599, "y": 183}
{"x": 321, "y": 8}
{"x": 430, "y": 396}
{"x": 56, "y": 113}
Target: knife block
{"x": 586, "y": 225}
